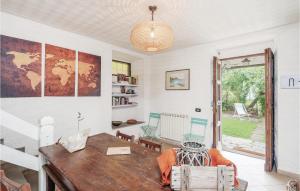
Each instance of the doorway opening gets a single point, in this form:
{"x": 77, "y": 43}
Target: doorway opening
{"x": 244, "y": 90}
{"x": 243, "y": 105}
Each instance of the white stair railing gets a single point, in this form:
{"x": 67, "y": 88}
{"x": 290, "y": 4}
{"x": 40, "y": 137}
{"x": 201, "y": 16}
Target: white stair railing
{"x": 46, "y": 138}
{"x": 18, "y": 125}
{"x": 19, "y": 158}
{"x": 44, "y": 134}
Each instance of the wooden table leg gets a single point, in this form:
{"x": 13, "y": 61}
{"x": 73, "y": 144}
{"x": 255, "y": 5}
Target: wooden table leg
{"x": 50, "y": 184}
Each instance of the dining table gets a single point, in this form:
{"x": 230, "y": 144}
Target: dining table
{"x": 91, "y": 169}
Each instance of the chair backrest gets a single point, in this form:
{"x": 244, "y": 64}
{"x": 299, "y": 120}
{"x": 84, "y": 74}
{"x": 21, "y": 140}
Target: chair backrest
{"x": 154, "y": 119}
{"x": 124, "y": 136}
{"x": 240, "y": 109}
{"x": 151, "y": 145}
{"x": 200, "y": 126}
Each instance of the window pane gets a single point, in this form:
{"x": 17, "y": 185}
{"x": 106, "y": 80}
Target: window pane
{"x": 114, "y": 68}
{"x": 120, "y": 68}
{"x": 125, "y": 68}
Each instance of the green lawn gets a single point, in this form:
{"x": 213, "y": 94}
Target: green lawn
{"x": 237, "y": 128}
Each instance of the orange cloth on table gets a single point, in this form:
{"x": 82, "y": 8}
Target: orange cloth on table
{"x": 168, "y": 159}
{"x": 165, "y": 162}
{"x": 218, "y": 159}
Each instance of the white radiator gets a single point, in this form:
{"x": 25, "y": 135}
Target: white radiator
{"x": 173, "y": 126}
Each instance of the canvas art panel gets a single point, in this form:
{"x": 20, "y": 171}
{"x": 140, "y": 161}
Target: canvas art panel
{"x": 20, "y": 67}
{"x": 178, "y": 80}
{"x": 89, "y": 74}
{"x": 59, "y": 71}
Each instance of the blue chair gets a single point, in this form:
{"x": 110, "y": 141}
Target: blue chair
{"x": 201, "y": 124}
{"x": 150, "y": 129}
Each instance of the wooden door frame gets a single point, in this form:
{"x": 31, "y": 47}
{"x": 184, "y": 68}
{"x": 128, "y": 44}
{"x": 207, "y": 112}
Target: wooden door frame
{"x": 214, "y": 145}
{"x": 216, "y": 99}
{"x": 244, "y": 56}
{"x": 269, "y": 105}
{"x": 269, "y": 111}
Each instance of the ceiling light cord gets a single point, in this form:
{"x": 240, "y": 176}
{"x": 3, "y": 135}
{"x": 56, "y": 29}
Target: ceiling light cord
{"x": 152, "y": 9}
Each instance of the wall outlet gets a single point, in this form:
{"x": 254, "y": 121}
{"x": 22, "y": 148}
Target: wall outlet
{"x": 197, "y": 109}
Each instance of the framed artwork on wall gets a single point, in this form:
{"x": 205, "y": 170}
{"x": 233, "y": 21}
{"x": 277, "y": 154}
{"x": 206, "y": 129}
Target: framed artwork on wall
{"x": 59, "y": 71}
{"x": 20, "y": 67}
{"x": 89, "y": 74}
{"x": 178, "y": 79}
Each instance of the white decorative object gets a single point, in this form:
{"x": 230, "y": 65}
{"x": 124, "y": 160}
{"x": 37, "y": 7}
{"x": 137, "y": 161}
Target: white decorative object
{"x": 114, "y": 78}
{"x": 76, "y": 142}
{"x": 46, "y": 131}
{"x": 290, "y": 81}
{"x": 124, "y": 82}
{"x": 118, "y": 151}
{"x": 292, "y": 185}
{"x": 79, "y": 118}
{"x": 193, "y": 153}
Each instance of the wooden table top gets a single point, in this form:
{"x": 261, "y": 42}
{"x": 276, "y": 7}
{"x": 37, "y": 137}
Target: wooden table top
{"x": 91, "y": 169}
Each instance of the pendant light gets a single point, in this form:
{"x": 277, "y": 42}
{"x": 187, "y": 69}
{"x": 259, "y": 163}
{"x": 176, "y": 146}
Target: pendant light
{"x": 152, "y": 36}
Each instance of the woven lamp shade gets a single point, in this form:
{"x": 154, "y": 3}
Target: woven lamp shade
{"x": 152, "y": 36}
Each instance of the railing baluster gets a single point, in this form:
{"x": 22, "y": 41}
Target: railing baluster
{"x": 46, "y": 138}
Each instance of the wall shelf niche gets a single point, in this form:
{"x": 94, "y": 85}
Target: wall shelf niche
{"x": 125, "y": 105}
{"x": 123, "y": 95}
{"x": 126, "y": 85}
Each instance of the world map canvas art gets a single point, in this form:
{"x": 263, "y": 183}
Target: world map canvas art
{"x": 20, "y": 67}
{"x": 59, "y": 71}
{"x": 89, "y": 74}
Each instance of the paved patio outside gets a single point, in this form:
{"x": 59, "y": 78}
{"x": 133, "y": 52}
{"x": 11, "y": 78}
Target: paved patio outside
{"x": 254, "y": 145}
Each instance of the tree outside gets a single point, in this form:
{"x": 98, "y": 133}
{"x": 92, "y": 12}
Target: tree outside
{"x": 244, "y": 85}
{"x": 247, "y": 86}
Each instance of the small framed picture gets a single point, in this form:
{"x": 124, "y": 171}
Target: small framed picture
{"x": 178, "y": 79}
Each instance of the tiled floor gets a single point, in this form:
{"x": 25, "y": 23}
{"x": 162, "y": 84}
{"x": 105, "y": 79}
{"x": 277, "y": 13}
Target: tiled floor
{"x": 252, "y": 170}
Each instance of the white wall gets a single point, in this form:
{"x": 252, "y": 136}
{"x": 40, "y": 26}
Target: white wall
{"x": 283, "y": 40}
{"x": 288, "y": 101}
{"x": 97, "y": 110}
{"x": 199, "y": 60}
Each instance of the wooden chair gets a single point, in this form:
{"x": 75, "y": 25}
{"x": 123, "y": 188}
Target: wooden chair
{"x": 151, "y": 145}
{"x": 124, "y": 136}
{"x": 7, "y": 184}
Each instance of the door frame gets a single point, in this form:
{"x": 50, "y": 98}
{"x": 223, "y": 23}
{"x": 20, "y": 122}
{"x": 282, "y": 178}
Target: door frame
{"x": 269, "y": 105}
{"x": 269, "y": 111}
{"x": 217, "y": 107}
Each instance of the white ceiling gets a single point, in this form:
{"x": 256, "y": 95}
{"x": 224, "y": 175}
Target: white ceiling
{"x": 193, "y": 21}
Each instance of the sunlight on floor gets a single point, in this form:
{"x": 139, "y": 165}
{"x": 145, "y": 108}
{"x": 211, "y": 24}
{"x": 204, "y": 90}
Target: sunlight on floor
{"x": 252, "y": 170}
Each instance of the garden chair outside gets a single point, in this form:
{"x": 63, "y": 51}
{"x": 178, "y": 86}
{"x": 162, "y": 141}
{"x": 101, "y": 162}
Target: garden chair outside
{"x": 240, "y": 111}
